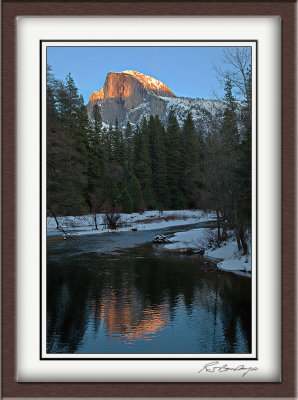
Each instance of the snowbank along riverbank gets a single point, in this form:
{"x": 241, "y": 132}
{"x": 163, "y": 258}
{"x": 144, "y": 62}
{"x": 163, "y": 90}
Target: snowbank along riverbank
{"x": 227, "y": 256}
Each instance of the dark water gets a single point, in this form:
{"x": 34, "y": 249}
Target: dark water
{"x": 141, "y": 299}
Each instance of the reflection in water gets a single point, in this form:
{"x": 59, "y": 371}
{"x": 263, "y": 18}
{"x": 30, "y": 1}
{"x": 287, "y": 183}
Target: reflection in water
{"x": 124, "y": 319}
{"x": 141, "y": 301}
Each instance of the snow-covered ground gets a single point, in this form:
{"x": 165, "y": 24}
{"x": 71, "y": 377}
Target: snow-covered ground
{"x": 149, "y": 220}
{"x": 228, "y": 255}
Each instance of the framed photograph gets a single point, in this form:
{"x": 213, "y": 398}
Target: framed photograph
{"x": 148, "y": 194}
{"x": 144, "y": 180}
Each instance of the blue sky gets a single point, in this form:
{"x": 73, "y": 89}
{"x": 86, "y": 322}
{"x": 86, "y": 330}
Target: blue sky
{"x": 188, "y": 71}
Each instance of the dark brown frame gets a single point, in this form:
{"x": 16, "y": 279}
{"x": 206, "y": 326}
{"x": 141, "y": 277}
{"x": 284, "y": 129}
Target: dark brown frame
{"x": 13, "y": 8}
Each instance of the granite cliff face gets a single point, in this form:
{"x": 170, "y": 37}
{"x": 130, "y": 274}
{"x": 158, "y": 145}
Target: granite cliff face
{"x": 132, "y": 96}
{"x": 125, "y": 91}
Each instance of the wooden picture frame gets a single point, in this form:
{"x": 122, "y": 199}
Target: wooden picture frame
{"x": 286, "y": 10}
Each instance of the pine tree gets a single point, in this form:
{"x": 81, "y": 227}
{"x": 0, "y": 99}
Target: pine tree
{"x": 151, "y": 134}
{"x": 173, "y": 156}
{"x": 190, "y": 160}
{"x": 142, "y": 163}
{"x": 108, "y": 143}
{"x": 116, "y": 161}
{"x": 97, "y": 120}
{"x": 125, "y": 201}
{"x": 160, "y": 183}
{"x": 117, "y": 145}
{"x": 135, "y": 192}
{"x": 72, "y": 112}
{"x": 97, "y": 171}
{"x": 55, "y": 150}
{"x": 71, "y": 150}
{"x": 128, "y": 155}
{"x": 229, "y": 128}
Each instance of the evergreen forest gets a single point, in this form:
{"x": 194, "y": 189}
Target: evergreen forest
{"x": 92, "y": 168}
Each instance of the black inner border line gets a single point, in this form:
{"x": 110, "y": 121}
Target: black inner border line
{"x": 40, "y": 182}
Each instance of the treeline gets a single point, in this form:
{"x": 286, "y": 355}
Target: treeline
{"x": 91, "y": 169}
{"x": 150, "y": 167}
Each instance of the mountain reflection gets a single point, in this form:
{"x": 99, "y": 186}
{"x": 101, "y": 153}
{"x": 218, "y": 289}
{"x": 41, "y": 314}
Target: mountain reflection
{"x": 142, "y": 302}
{"x": 128, "y": 320}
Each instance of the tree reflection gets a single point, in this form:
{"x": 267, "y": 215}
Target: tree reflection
{"x": 136, "y": 299}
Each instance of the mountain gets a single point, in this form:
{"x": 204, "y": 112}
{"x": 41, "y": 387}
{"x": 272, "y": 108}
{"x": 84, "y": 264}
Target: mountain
{"x": 131, "y": 96}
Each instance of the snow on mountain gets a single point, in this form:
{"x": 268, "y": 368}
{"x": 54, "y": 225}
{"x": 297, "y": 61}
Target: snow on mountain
{"x": 132, "y": 96}
{"x": 148, "y": 82}
{"x": 207, "y": 114}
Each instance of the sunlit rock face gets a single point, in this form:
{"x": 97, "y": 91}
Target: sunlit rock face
{"x": 130, "y": 96}
{"x": 152, "y": 85}
{"x": 126, "y": 94}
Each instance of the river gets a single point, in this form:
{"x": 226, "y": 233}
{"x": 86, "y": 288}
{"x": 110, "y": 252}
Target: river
{"x": 119, "y": 294}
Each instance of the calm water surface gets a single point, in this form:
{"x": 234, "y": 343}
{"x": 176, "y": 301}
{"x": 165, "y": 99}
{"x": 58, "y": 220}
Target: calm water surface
{"x": 103, "y": 299}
